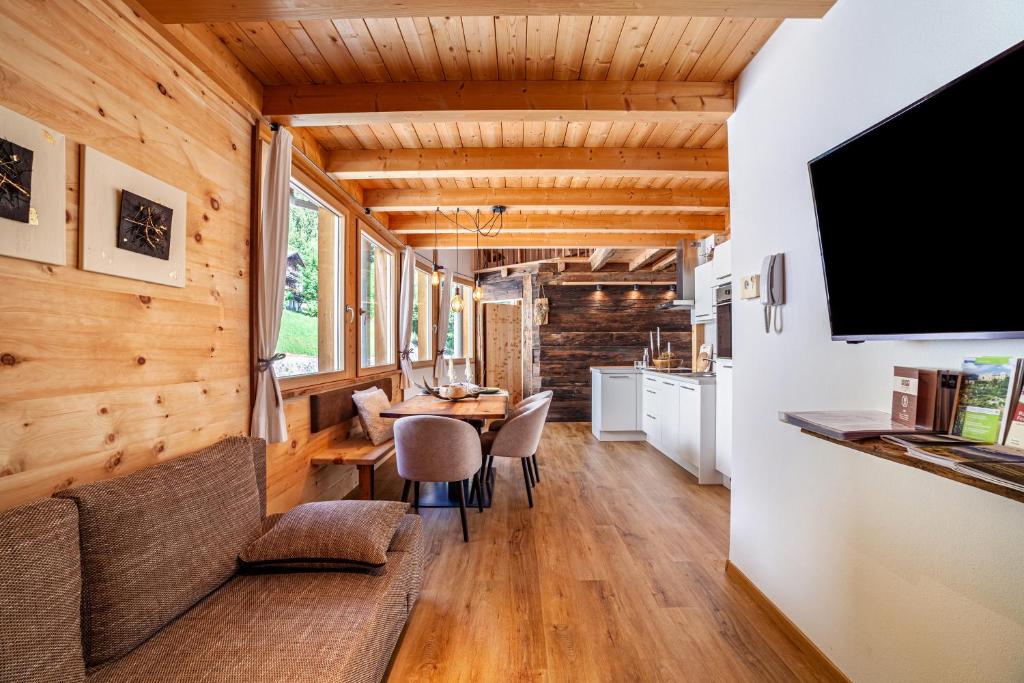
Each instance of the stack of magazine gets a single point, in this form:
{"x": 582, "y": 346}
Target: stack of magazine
{"x": 986, "y": 431}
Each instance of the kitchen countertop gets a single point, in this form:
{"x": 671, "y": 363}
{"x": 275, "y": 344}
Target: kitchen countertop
{"x": 681, "y": 376}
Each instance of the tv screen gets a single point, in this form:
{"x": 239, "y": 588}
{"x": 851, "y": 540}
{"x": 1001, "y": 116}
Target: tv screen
{"x": 921, "y": 217}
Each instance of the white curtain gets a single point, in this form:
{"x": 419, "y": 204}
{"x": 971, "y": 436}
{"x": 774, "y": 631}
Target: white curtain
{"x": 444, "y": 310}
{"x": 268, "y": 409}
{"x": 405, "y": 303}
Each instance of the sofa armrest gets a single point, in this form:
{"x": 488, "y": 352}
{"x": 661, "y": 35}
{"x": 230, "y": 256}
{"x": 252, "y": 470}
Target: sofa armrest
{"x": 269, "y": 522}
{"x": 409, "y": 535}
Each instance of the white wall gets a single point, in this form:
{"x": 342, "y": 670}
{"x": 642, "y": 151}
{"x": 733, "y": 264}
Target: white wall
{"x": 898, "y": 575}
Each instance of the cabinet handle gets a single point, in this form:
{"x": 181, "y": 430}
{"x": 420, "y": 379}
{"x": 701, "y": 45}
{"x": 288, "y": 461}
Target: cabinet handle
{"x": 649, "y": 391}
{"x": 651, "y": 416}
{"x": 618, "y": 376}
{"x": 722, "y": 277}
{"x": 668, "y": 384}
{"x": 683, "y": 386}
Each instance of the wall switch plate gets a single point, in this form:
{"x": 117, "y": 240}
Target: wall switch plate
{"x": 750, "y": 287}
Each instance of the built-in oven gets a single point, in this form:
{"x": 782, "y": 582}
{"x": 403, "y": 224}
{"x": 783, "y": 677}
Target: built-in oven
{"x": 723, "y": 321}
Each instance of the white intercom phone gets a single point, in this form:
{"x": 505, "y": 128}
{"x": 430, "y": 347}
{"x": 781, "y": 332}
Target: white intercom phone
{"x": 773, "y": 290}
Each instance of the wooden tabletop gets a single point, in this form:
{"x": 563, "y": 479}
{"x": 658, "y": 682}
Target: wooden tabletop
{"x": 487, "y": 407}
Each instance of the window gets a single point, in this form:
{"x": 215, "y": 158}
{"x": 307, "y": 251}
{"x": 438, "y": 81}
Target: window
{"x": 310, "y": 336}
{"x": 376, "y": 303}
{"x": 460, "y": 325}
{"x": 422, "y": 339}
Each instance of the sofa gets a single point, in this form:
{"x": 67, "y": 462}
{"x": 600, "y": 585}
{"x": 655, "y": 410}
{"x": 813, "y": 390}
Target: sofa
{"x": 137, "y": 579}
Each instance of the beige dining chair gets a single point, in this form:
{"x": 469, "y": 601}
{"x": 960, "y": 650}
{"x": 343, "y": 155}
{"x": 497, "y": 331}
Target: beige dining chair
{"x": 438, "y": 449}
{"x": 516, "y": 410}
{"x": 519, "y": 438}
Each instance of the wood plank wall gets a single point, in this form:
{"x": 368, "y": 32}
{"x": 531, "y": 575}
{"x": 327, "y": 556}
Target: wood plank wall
{"x": 103, "y": 375}
{"x": 586, "y": 328}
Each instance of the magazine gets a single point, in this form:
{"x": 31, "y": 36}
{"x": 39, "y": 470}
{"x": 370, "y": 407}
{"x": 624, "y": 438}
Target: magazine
{"x": 847, "y": 425}
{"x": 913, "y": 440}
{"x": 955, "y": 456}
{"x": 986, "y": 388}
{"x": 1015, "y": 433}
{"x": 1006, "y": 474}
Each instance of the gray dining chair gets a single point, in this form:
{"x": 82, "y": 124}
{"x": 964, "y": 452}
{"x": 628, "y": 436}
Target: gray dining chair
{"x": 519, "y": 407}
{"x": 438, "y": 449}
{"x": 519, "y": 438}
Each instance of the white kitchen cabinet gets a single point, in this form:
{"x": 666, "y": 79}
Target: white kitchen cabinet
{"x": 721, "y": 270}
{"x": 723, "y": 418}
{"x": 615, "y": 404}
{"x": 679, "y": 420}
{"x": 703, "y": 297}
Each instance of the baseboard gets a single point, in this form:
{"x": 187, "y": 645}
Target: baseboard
{"x": 805, "y": 644}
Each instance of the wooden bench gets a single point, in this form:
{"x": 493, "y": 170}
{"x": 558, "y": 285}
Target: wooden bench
{"x": 334, "y": 409}
{"x": 363, "y": 454}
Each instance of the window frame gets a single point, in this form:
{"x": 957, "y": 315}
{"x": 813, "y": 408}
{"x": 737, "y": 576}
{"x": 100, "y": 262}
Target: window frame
{"x": 376, "y": 238}
{"x": 423, "y": 266}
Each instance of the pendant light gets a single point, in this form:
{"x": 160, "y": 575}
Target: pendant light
{"x": 457, "y": 303}
{"x": 435, "y": 276}
{"x": 477, "y": 292}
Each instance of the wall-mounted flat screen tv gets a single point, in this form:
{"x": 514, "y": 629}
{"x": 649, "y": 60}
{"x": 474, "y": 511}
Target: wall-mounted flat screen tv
{"x": 921, "y": 217}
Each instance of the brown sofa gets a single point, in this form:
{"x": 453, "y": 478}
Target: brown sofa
{"x": 136, "y": 579}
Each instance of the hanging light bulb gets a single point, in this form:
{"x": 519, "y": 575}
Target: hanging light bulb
{"x": 457, "y": 303}
{"x": 435, "y": 277}
{"x": 478, "y": 293}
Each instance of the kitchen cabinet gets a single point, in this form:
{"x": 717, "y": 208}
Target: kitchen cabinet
{"x": 679, "y": 420}
{"x": 703, "y": 296}
{"x": 615, "y": 404}
{"x": 721, "y": 270}
{"x": 723, "y": 418}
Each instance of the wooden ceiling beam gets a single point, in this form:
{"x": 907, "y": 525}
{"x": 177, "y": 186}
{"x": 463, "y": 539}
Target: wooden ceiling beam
{"x": 600, "y": 258}
{"x": 597, "y": 239}
{"x": 477, "y": 101}
{"x": 197, "y": 11}
{"x": 520, "y": 162}
{"x": 547, "y": 199}
{"x": 643, "y": 258}
{"x": 665, "y": 261}
{"x": 553, "y": 223}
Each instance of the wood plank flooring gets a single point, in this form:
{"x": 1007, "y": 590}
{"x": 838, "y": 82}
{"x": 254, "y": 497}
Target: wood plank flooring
{"x": 617, "y": 574}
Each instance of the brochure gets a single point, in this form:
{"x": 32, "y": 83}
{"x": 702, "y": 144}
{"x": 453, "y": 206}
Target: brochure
{"x": 983, "y": 403}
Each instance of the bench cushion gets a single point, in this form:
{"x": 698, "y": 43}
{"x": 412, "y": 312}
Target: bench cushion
{"x": 157, "y": 541}
{"x": 40, "y": 594}
{"x": 300, "y": 628}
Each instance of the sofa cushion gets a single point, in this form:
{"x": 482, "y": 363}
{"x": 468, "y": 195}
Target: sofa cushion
{"x": 344, "y": 533}
{"x": 157, "y": 541}
{"x": 40, "y": 594}
{"x": 300, "y": 628}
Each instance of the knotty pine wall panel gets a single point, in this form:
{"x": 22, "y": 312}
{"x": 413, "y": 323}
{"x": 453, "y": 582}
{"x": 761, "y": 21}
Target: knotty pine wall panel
{"x": 100, "y": 375}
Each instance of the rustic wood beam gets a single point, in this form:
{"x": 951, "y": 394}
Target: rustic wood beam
{"x": 665, "y": 261}
{"x": 528, "y": 223}
{"x": 471, "y": 162}
{"x": 476, "y": 101}
{"x": 600, "y": 258}
{"x": 547, "y": 199}
{"x": 544, "y": 240}
{"x": 196, "y": 11}
{"x": 643, "y": 258}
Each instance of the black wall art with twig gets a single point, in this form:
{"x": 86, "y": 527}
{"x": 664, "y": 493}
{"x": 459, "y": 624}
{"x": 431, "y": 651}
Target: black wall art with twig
{"x": 15, "y": 181}
{"x": 144, "y": 226}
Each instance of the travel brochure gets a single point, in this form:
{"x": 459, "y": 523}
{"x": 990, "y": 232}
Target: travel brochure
{"x": 970, "y": 420}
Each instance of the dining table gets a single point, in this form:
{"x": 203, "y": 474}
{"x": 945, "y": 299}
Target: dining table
{"x": 479, "y": 408}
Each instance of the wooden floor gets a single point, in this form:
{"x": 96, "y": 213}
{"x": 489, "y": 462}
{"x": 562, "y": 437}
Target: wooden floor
{"x": 617, "y": 574}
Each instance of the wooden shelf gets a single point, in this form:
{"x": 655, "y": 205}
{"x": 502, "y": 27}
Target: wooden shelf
{"x": 893, "y": 453}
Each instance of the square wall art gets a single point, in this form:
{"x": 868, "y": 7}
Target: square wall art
{"x": 133, "y": 225}
{"x": 32, "y": 198}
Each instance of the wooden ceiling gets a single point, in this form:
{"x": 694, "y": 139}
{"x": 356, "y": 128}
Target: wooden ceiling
{"x": 551, "y": 114}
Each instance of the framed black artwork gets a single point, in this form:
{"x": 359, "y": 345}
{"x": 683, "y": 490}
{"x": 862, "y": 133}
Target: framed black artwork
{"x": 144, "y": 226}
{"x": 15, "y": 181}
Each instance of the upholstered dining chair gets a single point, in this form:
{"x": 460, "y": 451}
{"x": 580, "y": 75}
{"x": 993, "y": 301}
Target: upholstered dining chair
{"x": 519, "y": 407}
{"x": 519, "y": 438}
{"x": 438, "y": 449}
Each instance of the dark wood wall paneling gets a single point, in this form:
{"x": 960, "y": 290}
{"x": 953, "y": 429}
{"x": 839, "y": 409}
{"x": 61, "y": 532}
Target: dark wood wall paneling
{"x": 587, "y": 328}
